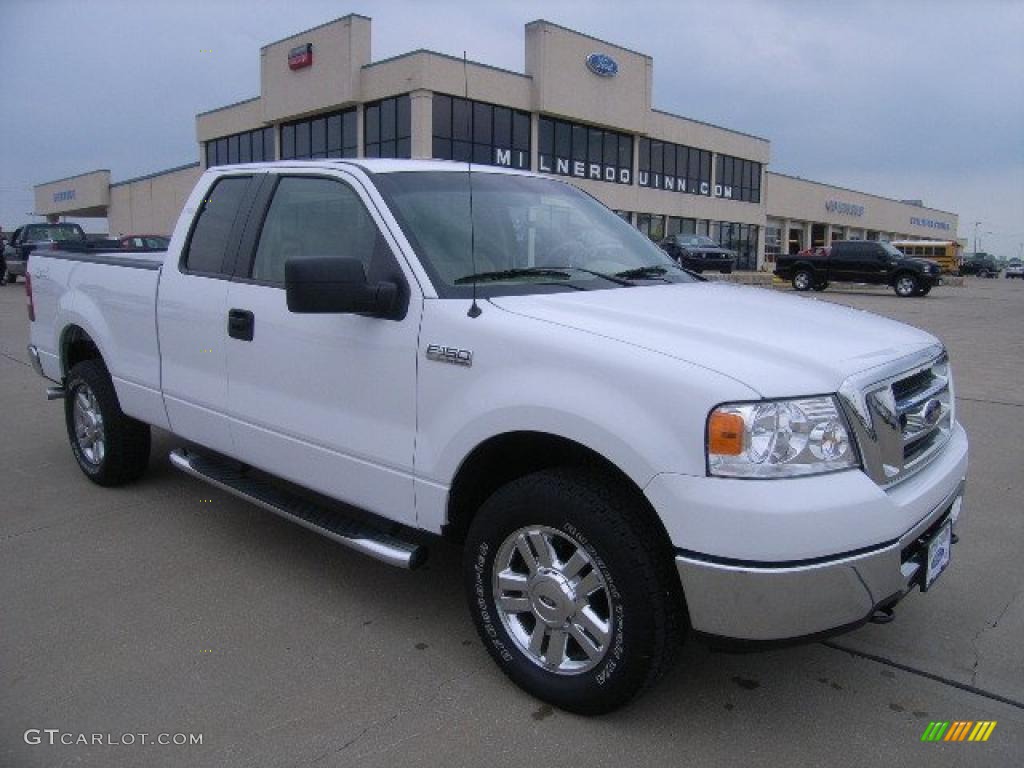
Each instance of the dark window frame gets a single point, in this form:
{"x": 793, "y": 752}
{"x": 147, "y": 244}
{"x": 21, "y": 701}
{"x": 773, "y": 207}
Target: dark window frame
{"x": 443, "y": 144}
{"x": 690, "y": 164}
{"x": 218, "y": 149}
{"x": 742, "y": 176}
{"x": 579, "y": 137}
{"x": 348, "y": 144}
{"x": 399, "y": 108}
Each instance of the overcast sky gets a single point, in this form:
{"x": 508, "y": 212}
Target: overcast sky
{"x": 901, "y": 98}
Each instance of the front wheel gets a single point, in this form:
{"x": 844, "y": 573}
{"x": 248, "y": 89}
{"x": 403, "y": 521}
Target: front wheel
{"x": 906, "y": 285}
{"x": 572, "y": 589}
{"x": 110, "y": 447}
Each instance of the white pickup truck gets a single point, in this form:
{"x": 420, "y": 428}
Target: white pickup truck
{"x": 627, "y": 452}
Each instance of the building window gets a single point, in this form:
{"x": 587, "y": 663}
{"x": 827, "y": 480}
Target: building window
{"x": 572, "y": 149}
{"x": 652, "y": 225}
{"x": 387, "y": 128}
{"x": 741, "y": 238}
{"x": 673, "y": 167}
{"x": 248, "y": 147}
{"x": 737, "y": 179}
{"x": 315, "y": 138}
{"x": 474, "y": 131}
{"x": 772, "y": 243}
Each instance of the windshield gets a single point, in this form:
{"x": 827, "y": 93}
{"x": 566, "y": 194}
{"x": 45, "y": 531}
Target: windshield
{"x": 699, "y": 240}
{"x": 891, "y": 249}
{"x": 58, "y": 232}
{"x": 531, "y": 235}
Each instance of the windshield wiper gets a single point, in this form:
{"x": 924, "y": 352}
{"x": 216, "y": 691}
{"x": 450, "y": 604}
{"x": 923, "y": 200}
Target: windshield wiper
{"x": 642, "y": 272}
{"x": 509, "y": 274}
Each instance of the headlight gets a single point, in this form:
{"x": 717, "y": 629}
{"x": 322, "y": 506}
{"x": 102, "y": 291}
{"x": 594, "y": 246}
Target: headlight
{"x": 779, "y": 438}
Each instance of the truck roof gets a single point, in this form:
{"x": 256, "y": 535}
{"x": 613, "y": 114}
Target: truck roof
{"x": 379, "y": 165}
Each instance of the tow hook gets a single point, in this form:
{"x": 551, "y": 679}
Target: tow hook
{"x": 882, "y": 616}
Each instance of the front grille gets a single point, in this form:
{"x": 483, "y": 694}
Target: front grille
{"x": 902, "y": 418}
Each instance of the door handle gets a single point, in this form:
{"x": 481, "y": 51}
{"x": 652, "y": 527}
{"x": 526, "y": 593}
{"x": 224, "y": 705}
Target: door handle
{"x": 241, "y": 324}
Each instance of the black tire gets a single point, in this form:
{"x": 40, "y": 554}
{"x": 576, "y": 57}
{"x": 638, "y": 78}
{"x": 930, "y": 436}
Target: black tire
{"x": 924, "y": 291}
{"x": 12, "y": 278}
{"x": 821, "y": 286}
{"x": 125, "y": 441}
{"x": 726, "y": 271}
{"x": 803, "y": 280}
{"x": 906, "y": 285}
{"x": 645, "y": 606}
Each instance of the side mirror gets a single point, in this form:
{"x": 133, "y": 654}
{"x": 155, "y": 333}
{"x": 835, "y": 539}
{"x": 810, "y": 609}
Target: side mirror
{"x": 327, "y": 284}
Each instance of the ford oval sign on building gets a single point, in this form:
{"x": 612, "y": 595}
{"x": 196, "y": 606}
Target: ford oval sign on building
{"x": 602, "y": 64}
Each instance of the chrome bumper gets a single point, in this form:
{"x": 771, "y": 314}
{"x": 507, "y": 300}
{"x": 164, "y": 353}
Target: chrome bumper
{"x": 785, "y": 601}
{"x": 33, "y": 357}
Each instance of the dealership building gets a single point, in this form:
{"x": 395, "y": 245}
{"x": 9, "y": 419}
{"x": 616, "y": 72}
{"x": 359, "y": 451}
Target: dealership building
{"x": 581, "y": 109}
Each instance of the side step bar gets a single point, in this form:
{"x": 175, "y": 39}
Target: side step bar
{"x": 317, "y": 518}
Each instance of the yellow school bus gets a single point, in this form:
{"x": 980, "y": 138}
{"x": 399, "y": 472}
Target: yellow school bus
{"x": 946, "y": 252}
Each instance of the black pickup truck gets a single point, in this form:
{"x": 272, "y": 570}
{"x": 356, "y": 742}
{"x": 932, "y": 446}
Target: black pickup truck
{"x": 860, "y": 261}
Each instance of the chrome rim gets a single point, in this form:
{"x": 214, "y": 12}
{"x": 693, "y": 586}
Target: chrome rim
{"x": 553, "y": 600}
{"x": 803, "y": 281}
{"x": 88, "y": 420}
{"x": 905, "y": 285}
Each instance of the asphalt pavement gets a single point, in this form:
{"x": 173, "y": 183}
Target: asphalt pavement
{"x": 169, "y": 607}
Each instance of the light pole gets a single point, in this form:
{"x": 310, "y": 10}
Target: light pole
{"x": 976, "y": 225}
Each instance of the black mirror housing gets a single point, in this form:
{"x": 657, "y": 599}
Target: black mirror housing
{"x": 331, "y": 285}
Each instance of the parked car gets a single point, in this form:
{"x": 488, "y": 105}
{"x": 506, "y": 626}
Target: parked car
{"x": 980, "y": 265}
{"x": 859, "y": 261}
{"x": 32, "y": 236}
{"x": 1014, "y": 268}
{"x": 625, "y": 452}
{"x": 698, "y": 253}
{"x": 145, "y": 242}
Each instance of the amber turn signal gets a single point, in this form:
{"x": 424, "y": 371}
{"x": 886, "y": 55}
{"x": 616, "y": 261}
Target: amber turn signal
{"x": 725, "y": 434}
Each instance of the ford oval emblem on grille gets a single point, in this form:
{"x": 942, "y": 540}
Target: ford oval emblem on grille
{"x": 932, "y": 412}
{"x": 602, "y": 64}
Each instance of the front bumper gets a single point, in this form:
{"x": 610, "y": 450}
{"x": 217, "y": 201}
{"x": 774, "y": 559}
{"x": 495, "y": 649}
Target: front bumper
{"x": 783, "y": 559}
{"x": 751, "y": 602}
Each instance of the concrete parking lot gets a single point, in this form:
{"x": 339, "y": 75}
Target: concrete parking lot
{"x": 170, "y": 607}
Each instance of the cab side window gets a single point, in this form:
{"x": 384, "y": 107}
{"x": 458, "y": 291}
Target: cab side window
{"x": 211, "y": 235}
{"x": 314, "y": 217}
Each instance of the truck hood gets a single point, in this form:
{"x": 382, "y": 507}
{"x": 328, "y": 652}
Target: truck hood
{"x": 777, "y": 345}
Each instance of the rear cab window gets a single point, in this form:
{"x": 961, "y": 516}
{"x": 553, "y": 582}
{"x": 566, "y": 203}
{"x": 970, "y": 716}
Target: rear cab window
{"x": 215, "y": 223}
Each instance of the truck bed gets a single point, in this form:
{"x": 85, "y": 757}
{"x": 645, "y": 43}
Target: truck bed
{"x": 111, "y": 295}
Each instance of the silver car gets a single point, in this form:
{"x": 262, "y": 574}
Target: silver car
{"x": 1014, "y": 268}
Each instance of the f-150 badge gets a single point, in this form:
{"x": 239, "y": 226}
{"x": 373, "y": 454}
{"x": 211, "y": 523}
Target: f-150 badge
{"x": 449, "y": 354}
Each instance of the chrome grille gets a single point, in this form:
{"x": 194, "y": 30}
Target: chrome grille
{"x": 902, "y": 414}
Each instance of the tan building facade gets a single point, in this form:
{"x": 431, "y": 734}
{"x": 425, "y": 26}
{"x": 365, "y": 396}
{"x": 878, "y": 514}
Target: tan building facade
{"x": 581, "y": 109}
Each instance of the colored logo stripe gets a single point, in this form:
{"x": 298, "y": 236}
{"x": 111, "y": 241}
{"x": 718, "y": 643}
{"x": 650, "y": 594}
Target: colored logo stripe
{"x": 958, "y": 730}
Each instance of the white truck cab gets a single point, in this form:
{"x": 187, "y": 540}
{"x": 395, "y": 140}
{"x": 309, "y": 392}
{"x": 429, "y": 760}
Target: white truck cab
{"x": 629, "y": 453}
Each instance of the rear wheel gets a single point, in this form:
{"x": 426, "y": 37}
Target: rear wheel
{"x": 803, "y": 280}
{"x": 906, "y": 285}
{"x": 110, "y": 447}
{"x": 573, "y": 590}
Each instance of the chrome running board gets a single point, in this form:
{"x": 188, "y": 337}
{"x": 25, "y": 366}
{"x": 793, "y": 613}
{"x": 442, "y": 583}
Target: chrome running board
{"x": 259, "y": 490}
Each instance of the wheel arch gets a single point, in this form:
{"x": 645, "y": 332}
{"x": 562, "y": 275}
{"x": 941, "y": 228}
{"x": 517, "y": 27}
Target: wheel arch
{"x": 75, "y": 346}
{"x": 505, "y": 457}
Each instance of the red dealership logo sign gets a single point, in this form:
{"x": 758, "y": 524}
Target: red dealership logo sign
{"x": 300, "y": 56}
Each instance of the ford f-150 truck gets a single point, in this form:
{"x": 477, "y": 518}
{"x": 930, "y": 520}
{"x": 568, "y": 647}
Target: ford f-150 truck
{"x": 382, "y": 351}
{"x": 860, "y": 261}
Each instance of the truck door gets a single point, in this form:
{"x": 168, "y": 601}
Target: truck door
{"x": 191, "y": 307}
{"x": 327, "y": 401}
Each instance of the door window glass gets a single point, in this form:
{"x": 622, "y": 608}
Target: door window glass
{"x": 313, "y": 217}
{"x": 209, "y": 239}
